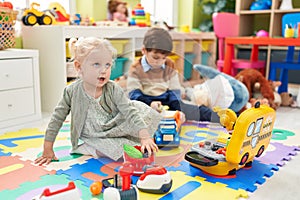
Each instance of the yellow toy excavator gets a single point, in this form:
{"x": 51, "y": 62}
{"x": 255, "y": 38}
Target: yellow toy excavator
{"x": 33, "y": 16}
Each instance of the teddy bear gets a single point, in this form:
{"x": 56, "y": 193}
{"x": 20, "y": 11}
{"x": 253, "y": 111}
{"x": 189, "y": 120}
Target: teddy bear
{"x": 254, "y": 80}
{"x": 240, "y": 94}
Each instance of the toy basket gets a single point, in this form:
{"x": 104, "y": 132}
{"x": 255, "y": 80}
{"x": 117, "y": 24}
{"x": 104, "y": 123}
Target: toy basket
{"x": 7, "y": 31}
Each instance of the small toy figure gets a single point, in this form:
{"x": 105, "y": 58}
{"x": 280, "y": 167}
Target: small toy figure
{"x": 117, "y": 11}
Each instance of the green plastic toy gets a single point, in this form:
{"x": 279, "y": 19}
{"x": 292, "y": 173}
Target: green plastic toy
{"x": 132, "y": 151}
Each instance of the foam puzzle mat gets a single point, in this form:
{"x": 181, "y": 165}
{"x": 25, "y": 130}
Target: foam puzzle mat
{"x": 21, "y": 179}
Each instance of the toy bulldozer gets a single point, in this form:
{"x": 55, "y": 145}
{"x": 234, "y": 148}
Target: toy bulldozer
{"x": 33, "y": 16}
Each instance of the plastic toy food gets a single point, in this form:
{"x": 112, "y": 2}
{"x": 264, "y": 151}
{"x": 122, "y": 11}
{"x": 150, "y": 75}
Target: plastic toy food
{"x": 96, "y": 188}
{"x": 250, "y": 137}
{"x": 132, "y": 151}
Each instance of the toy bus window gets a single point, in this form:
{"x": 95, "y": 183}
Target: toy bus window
{"x": 250, "y": 129}
{"x": 254, "y": 141}
{"x": 168, "y": 126}
{"x": 258, "y": 125}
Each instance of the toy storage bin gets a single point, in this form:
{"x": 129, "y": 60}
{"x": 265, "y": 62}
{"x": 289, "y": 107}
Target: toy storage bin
{"x": 189, "y": 46}
{"x": 206, "y": 45}
{"x": 119, "y": 45}
{"x": 188, "y": 65}
{"x": 205, "y": 58}
{"x": 117, "y": 68}
{"x": 7, "y": 31}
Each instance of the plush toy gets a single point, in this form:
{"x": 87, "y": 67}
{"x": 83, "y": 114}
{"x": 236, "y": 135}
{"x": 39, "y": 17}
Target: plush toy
{"x": 287, "y": 99}
{"x": 252, "y": 78}
{"x": 212, "y": 92}
{"x": 240, "y": 92}
{"x": 117, "y": 11}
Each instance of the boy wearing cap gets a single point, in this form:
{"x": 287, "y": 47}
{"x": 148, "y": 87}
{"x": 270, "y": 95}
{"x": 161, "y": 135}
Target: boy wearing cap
{"x": 154, "y": 80}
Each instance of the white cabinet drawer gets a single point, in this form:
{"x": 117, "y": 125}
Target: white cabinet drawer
{"x": 16, "y": 73}
{"x": 16, "y": 103}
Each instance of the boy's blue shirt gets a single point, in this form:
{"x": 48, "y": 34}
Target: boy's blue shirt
{"x": 148, "y": 67}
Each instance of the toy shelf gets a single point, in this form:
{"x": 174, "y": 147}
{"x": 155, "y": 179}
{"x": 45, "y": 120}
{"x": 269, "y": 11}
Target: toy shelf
{"x": 51, "y": 43}
{"x": 252, "y": 21}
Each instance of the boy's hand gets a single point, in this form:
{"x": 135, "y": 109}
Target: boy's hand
{"x": 182, "y": 117}
{"x": 156, "y": 105}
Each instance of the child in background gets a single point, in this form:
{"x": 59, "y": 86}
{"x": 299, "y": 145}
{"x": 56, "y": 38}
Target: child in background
{"x": 154, "y": 80}
{"x": 103, "y": 119}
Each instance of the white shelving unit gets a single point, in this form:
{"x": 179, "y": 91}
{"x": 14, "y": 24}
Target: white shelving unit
{"x": 50, "y": 41}
{"x": 19, "y": 87}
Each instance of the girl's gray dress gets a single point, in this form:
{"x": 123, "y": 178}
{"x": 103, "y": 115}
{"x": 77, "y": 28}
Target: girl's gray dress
{"x": 102, "y": 126}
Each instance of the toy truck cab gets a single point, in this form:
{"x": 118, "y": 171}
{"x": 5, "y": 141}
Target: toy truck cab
{"x": 168, "y": 130}
{"x": 251, "y": 135}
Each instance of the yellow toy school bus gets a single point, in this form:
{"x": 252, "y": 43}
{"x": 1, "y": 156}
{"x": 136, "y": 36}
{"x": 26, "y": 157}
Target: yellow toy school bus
{"x": 251, "y": 134}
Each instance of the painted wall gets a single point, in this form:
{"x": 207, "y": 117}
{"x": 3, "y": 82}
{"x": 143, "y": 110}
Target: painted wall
{"x": 98, "y": 8}
{"x": 189, "y": 13}
{"x": 92, "y": 8}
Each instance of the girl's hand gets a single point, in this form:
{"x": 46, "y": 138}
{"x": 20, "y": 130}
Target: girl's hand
{"x": 48, "y": 154}
{"x": 149, "y": 145}
{"x": 147, "y": 142}
{"x": 46, "y": 158}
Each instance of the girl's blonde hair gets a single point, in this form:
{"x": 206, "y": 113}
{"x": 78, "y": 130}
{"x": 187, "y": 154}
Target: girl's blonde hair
{"x": 81, "y": 47}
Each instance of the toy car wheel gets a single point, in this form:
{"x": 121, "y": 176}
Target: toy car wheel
{"x": 244, "y": 158}
{"x": 30, "y": 19}
{"x": 260, "y": 151}
{"x": 45, "y": 20}
{"x": 23, "y": 20}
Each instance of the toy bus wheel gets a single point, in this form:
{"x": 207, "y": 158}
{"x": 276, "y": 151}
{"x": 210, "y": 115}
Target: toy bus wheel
{"x": 260, "y": 151}
{"x": 30, "y": 19}
{"x": 244, "y": 158}
{"x": 45, "y": 20}
{"x": 232, "y": 172}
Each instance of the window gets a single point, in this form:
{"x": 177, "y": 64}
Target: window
{"x": 159, "y": 12}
